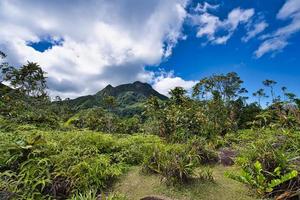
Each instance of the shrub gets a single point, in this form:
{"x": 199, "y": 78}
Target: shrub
{"x": 92, "y": 195}
{"x": 265, "y": 182}
{"x": 176, "y": 163}
{"x": 134, "y": 148}
{"x": 28, "y": 110}
{"x": 268, "y": 162}
{"x": 96, "y": 173}
{"x": 95, "y": 119}
{"x": 41, "y": 164}
{"x": 205, "y": 152}
{"x": 129, "y": 125}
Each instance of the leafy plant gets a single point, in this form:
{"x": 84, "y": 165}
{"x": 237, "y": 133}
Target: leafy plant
{"x": 40, "y": 164}
{"x": 176, "y": 163}
{"x": 256, "y": 177}
{"x": 92, "y": 195}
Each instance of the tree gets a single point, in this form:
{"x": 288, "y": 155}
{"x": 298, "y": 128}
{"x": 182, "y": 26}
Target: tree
{"x": 109, "y": 102}
{"x": 178, "y": 95}
{"x": 297, "y": 102}
{"x": 30, "y": 79}
{"x": 228, "y": 87}
{"x": 57, "y": 99}
{"x": 4, "y": 67}
{"x": 288, "y": 96}
{"x": 270, "y": 83}
{"x": 2, "y": 55}
{"x": 291, "y": 96}
{"x": 260, "y": 94}
{"x": 248, "y": 114}
{"x": 222, "y": 100}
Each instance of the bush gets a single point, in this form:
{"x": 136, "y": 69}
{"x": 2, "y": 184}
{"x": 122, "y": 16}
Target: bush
{"x": 92, "y": 195}
{"x": 99, "y": 119}
{"x": 267, "y": 159}
{"x": 176, "y": 163}
{"x": 41, "y": 164}
{"x": 130, "y": 125}
{"x": 28, "y": 111}
{"x": 95, "y": 119}
{"x": 266, "y": 182}
{"x": 205, "y": 152}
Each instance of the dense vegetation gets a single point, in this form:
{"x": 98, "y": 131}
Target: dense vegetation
{"x": 78, "y": 149}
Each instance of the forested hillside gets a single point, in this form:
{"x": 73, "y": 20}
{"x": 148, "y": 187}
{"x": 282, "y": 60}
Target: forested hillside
{"x": 127, "y": 99}
{"x": 212, "y": 138}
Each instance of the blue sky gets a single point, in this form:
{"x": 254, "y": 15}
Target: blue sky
{"x": 85, "y": 45}
{"x": 192, "y": 60}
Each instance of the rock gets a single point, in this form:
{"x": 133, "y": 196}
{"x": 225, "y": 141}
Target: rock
{"x": 155, "y": 198}
{"x": 226, "y": 157}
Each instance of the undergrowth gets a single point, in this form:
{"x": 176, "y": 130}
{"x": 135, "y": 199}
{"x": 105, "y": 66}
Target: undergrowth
{"x": 39, "y": 164}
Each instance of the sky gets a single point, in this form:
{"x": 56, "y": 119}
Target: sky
{"x": 84, "y": 45}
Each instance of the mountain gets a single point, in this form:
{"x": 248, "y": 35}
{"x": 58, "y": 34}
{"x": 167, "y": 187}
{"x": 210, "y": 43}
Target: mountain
{"x": 137, "y": 87}
{"x": 129, "y": 98}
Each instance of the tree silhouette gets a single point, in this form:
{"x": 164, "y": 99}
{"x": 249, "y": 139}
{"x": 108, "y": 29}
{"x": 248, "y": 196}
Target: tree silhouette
{"x": 227, "y": 86}
{"x": 30, "y": 79}
{"x": 270, "y": 83}
{"x": 260, "y": 94}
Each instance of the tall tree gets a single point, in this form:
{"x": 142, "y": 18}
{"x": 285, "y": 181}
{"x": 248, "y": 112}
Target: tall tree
{"x": 30, "y": 79}
{"x": 288, "y": 96}
{"x": 228, "y": 87}
{"x": 270, "y": 84}
{"x": 260, "y": 94}
{"x": 4, "y": 67}
{"x": 178, "y": 95}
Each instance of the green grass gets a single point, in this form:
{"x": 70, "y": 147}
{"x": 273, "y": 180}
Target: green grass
{"x": 136, "y": 185}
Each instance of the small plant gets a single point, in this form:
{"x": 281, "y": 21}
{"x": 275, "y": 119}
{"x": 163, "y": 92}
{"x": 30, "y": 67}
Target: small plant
{"x": 92, "y": 195}
{"x": 264, "y": 182}
{"x": 205, "y": 173}
{"x": 89, "y": 195}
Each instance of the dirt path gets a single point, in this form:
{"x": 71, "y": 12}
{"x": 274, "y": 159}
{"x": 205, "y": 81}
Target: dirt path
{"x": 136, "y": 185}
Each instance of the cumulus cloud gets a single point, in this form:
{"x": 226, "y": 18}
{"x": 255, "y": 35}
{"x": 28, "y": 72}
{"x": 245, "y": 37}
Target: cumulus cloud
{"x": 278, "y": 40}
{"x": 166, "y": 81}
{"x": 210, "y": 26}
{"x": 102, "y": 41}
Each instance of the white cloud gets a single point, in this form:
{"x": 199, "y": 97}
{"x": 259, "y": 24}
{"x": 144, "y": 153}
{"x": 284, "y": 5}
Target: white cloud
{"x": 275, "y": 44}
{"x": 278, "y": 40}
{"x": 166, "y": 81}
{"x": 210, "y": 25}
{"x": 103, "y": 41}
{"x": 290, "y": 8}
{"x": 255, "y": 30}
{"x": 205, "y": 7}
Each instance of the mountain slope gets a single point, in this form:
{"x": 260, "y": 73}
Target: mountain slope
{"x": 129, "y": 98}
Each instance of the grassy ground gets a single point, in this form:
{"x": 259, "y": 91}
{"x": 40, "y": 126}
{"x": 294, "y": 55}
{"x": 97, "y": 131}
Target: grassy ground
{"x": 136, "y": 185}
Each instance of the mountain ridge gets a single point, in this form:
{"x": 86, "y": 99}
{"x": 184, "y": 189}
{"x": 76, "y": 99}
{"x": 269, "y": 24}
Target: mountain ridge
{"x": 129, "y": 97}
{"x": 136, "y": 86}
